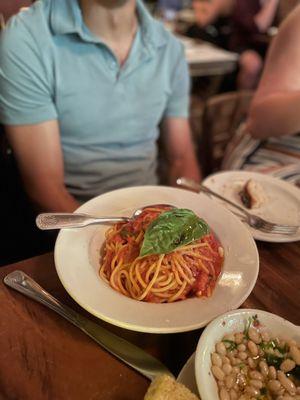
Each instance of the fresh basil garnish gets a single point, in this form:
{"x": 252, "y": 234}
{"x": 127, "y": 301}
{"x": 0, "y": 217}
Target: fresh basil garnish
{"x": 268, "y": 346}
{"x": 172, "y": 229}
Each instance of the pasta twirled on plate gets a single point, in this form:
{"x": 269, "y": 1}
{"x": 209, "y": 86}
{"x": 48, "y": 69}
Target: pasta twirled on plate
{"x": 163, "y": 255}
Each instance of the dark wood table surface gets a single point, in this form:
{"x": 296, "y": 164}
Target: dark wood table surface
{"x": 45, "y": 357}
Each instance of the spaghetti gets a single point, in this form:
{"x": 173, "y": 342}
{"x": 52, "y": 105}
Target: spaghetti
{"x": 189, "y": 270}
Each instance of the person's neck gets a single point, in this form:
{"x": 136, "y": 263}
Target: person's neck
{"x": 111, "y": 24}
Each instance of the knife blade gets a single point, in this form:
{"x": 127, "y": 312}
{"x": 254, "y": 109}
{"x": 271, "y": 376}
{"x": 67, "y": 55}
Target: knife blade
{"x": 130, "y": 354}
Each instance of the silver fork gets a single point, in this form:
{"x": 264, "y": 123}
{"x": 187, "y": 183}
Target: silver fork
{"x": 254, "y": 221}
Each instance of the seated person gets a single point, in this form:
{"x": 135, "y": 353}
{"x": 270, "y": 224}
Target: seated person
{"x": 212, "y": 22}
{"x": 270, "y": 141}
{"x": 251, "y": 19}
{"x": 84, "y": 86}
{"x": 237, "y": 25}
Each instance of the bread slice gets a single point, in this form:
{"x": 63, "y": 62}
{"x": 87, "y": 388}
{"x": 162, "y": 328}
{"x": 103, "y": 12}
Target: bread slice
{"x": 252, "y": 195}
{"x": 164, "y": 387}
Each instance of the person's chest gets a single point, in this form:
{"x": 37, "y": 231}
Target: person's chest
{"x": 94, "y": 96}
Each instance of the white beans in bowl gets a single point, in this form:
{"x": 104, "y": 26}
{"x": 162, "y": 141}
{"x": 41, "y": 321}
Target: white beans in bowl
{"x": 254, "y": 364}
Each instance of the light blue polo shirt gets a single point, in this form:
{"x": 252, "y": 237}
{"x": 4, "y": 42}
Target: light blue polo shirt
{"x": 53, "y": 67}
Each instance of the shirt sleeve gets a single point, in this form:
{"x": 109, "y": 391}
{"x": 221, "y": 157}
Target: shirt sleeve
{"x": 25, "y": 89}
{"x": 178, "y": 102}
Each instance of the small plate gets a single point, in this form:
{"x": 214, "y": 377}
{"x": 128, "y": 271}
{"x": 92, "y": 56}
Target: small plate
{"x": 282, "y": 205}
{"x": 187, "y": 375}
{"x": 77, "y": 256}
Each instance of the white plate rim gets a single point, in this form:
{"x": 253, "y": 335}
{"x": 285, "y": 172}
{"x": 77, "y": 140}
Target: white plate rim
{"x": 277, "y": 181}
{"x": 130, "y": 325}
{"x": 189, "y": 370}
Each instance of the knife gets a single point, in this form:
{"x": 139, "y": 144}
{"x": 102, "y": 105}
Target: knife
{"x": 130, "y": 354}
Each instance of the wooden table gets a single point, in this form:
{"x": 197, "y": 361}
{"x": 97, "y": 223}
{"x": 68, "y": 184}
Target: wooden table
{"x": 45, "y": 357}
{"x": 205, "y": 59}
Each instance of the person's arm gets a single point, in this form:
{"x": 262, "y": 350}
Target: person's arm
{"x": 176, "y": 132}
{"x": 38, "y": 153}
{"x": 275, "y": 110}
{"x": 28, "y": 112}
{"x": 253, "y": 24}
{"x": 179, "y": 150}
{"x": 264, "y": 18}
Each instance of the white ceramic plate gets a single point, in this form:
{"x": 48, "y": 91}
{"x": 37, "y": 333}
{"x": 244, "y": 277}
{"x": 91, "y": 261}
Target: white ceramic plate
{"x": 77, "y": 264}
{"x": 233, "y": 321}
{"x": 282, "y": 205}
{"x": 187, "y": 375}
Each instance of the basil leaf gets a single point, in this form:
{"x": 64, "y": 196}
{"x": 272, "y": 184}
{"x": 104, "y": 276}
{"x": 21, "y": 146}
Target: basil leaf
{"x": 172, "y": 229}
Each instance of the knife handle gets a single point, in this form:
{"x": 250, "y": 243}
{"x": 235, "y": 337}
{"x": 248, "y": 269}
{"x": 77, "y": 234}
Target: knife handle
{"x": 119, "y": 347}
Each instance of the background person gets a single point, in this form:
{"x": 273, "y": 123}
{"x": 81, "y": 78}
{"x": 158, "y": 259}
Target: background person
{"x": 213, "y": 21}
{"x": 239, "y": 26}
{"x": 251, "y": 19}
{"x": 270, "y": 142}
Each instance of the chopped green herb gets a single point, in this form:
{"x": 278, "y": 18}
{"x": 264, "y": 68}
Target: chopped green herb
{"x": 251, "y": 320}
{"x": 268, "y": 345}
{"x": 247, "y": 327}
{"x": 271, "y": 359}
{"x": 232, "y": 345}
{"x": 256, "y": 322}
{"x": 283, "y": 350}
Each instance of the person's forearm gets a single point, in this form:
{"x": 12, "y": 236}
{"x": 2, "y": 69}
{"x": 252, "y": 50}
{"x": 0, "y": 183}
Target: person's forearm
{"x": 51, "y": 198}
{"x": 275, "y": 115}
{"x": 264, "y": 18}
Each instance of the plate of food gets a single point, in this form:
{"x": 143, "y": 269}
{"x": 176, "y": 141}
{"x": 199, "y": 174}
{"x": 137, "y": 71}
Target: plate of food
{"x": 247, "y": 354}
{"x": 168, "y": 269}
{"x": 268, "y": 197}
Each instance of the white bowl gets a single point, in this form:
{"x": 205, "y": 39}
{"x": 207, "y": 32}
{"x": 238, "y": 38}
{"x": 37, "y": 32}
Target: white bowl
{"x": 233, "y": 321}
{"x": 77, "y": 255}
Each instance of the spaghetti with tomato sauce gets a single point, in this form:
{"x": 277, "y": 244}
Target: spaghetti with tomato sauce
{"x": 190, "y": 270}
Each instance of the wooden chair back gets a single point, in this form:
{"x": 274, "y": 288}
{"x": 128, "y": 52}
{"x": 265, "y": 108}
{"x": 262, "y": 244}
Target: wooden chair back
{"x": 222, "y": 115}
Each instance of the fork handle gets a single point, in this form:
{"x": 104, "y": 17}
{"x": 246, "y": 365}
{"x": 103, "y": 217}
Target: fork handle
{"x": 47, "y": 221}
{"x": 189, "y": 183}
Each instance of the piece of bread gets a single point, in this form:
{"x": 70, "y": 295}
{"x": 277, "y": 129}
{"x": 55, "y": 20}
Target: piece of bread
{"x": 252, "y": 195}
{"x": 165, "y": 387}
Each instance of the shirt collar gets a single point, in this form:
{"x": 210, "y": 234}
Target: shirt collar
{"x": 66, "y": 18}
